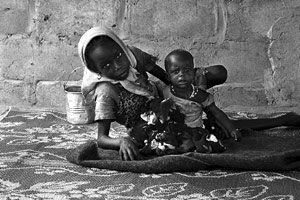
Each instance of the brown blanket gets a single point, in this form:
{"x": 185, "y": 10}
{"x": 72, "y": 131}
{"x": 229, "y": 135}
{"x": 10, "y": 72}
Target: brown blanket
{"x": 277, "y": 149}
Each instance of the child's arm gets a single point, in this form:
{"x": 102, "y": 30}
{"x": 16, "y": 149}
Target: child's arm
{"x": 222, "y": 119}
{"x": 127, "y": 149}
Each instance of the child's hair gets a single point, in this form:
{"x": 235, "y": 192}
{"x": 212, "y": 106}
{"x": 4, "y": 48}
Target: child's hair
{"x": 181, "y": 54}
{"x": 92, "y": 45}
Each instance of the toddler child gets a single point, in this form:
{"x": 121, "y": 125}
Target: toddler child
{"x": 175, "y": 125}
{"x": 192, "y": 101}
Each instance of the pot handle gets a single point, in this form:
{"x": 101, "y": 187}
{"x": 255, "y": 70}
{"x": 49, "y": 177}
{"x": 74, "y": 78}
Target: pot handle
{"x": 72, "y": 72}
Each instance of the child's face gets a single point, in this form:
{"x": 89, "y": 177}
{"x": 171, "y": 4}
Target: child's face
{"x": 111, "y": 61}
{"x": 181, "y": 72}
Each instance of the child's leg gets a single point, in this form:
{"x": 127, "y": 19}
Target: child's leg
{"x": 289, "y": 119}
{"x": 216, "y": 75}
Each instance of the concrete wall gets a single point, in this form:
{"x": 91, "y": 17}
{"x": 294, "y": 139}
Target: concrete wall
{"x": 257, "y": 40}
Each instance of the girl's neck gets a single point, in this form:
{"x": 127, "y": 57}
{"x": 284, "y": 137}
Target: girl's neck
{"x": 185, "y": 93}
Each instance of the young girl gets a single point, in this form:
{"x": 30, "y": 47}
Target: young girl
{"x": 115, "y": 80}
{"x": 192, "y": 100}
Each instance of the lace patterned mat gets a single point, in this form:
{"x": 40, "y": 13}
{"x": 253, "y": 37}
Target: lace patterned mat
{"x": 33, "y": 146}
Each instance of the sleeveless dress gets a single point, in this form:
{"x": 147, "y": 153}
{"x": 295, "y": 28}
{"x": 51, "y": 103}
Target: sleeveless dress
{"x": 192, "y": 110}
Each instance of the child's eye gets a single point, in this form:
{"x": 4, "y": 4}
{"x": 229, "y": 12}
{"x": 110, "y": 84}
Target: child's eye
{"x": 106, "y": 66}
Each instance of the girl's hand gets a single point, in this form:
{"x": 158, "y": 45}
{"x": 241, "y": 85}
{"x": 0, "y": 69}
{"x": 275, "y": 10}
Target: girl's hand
{"x": 128, "y": 150}
{"x": 143, "y": 82}
{"x": 236, "y": 135}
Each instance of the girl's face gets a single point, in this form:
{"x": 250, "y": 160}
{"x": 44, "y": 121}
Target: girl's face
{"x": 181, "y": 72}
{"x": 111, "y": 61}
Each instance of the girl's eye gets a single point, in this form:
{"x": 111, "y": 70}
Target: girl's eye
{"x": 119, "y": 55}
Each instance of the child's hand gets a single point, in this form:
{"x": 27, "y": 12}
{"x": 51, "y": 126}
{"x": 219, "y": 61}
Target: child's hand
{"x": 128, "y": 151}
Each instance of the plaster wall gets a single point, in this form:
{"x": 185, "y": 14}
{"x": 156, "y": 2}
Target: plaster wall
{"x": 257, "y": 41}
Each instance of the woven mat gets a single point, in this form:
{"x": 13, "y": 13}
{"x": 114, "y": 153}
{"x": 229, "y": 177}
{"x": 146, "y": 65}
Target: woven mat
{"x": 34, "y": 144}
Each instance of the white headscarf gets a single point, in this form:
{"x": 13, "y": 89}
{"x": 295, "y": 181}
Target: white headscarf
{"x": 90, "y": 79}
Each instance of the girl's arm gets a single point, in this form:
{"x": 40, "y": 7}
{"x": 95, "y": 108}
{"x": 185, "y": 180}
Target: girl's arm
{"x": 148, "y": 63}
{"x": 127, "y": 149}
{"x": 160, "y": 73}
{"x": 224, "y": 121}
